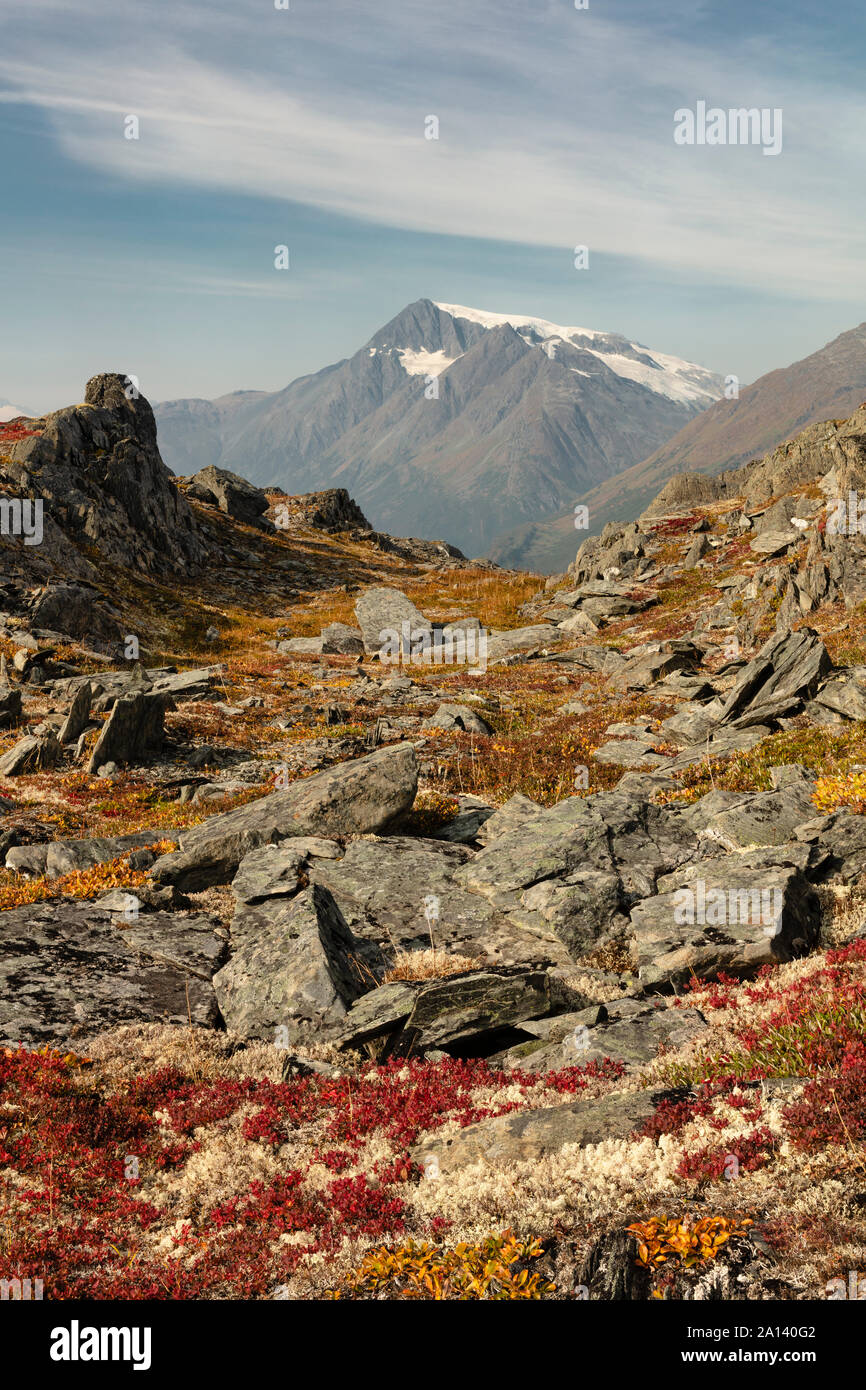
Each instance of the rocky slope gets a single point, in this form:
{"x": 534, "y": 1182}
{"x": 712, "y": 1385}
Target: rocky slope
{"x": 527, "y": 413}
{"x": 97, "y": 472}
{"x": 553, "y": 959}
{"x": 828, "y": 384}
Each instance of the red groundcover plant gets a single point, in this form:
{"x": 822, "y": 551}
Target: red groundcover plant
{"x": 816, "y": 1030}
{"x": 13, "y": 430}
{"x": 80, "y": 1223}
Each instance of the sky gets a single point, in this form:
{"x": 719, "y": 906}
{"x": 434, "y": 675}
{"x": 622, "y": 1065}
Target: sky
{"x": 306, "y": 127}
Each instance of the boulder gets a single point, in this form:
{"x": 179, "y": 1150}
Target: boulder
{"x": 628, "y": 1031}
{"x": 604, "y": 609}
{"x": 530, "y": 1135}
{"x": 579, "y": 622}
{"x": 577, "y": 868}
{"x": 78, "y": 716}
{"x": 842, "y": 836}
{"x": 300, "y": 972}
{"x": 789, "y": 667}
{"x": 699, "y": 547}
{"x": 77, "y": 610}
{"x": 604, "y": 833}
{"x": 457, "y": 716}
{"x": 510, "y": 642}
{"x": 65, "y": 856}
{"x": 408, "y": 892}
{"x": 509, "y": 816}
{"x": 845, "y": 694}
{"x": 231, "y": 493}
{"x": 134, "y": 729}
{"x": 10, "y": 706}
{"x": 767, "y": 818}
{"x": 379, "y": 1015}
{"x": 472, "y": 815}
{"x": 341, "y": 639}
{"x": 382, "y": 613}
{"x": 196, "y": 684}
{"x": 312, "y": 645}
{"x": 274, "y": 871}
{"x": 33, "y": 753}
{"x": 724, "y": 916}
{"x": 354, "y": 798}
{"x": 330, "y": 510}
{"x": 629, "y": 752}
{"x": 774, "y": 542}
{"x": 466, "y": 1009}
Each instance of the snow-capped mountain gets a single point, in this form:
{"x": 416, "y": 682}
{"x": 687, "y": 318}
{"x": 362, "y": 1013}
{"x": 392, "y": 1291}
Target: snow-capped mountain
{"x": 451, "y": 421}
{"x": 829, "y": 384}
{"x": 680, "y": 381}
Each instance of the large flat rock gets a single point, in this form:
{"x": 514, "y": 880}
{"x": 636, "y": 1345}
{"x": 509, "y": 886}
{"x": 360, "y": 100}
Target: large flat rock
{"x": 355, "y": 798}
{"x": 410, "y": 893}
{"x": 68, "y": 971}
{"x": 529, "y": 1135}
{"x": 727, "y": 916}
{"x": 468, "y": 1008}
{"x": 631, "y": 1031}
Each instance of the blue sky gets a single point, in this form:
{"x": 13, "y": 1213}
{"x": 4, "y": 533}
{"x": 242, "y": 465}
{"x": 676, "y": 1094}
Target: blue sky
{"x": 305, "y": 127}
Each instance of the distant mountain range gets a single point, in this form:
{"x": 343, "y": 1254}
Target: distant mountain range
{"x": 452, "y": 421}
{"x": 829, "y": 384}
{"x": 8, "y": 411}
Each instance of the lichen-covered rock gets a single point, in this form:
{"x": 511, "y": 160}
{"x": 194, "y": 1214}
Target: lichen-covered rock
{"x": 33, "y": 753}
{"x": 300, "y": 971}
{"x": 78, "y": 715}
{"x": 231, "y": 493}
{"x": 471, "y": 1008}
{"x": 357, "y": 797}
{"x": 724, "y": 916}
{"x": 341, "y": 639}
{"x": 382, "y": 613}
{"x": 68, "y": 972}
{"x": 103, "y": 484}
{"x": 135, "y": 728}
{"x": 533, "y": 1134}
{"x": 77, "y": 610}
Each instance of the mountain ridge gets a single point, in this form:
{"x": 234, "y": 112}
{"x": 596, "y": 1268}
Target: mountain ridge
{"x": 828, "y": 384}
{"x": 450, "y": 421}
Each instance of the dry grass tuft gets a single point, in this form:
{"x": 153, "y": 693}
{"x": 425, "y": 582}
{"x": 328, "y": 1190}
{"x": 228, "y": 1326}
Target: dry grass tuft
{"x": 429, "y": 965}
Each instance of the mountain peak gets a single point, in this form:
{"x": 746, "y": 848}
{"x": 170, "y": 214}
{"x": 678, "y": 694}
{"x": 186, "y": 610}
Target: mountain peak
{"x": 452, "y": 421}
{"x": 679, "y": 380}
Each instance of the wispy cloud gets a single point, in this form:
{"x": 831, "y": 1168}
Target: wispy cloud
{"x": 555, "y": 124}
